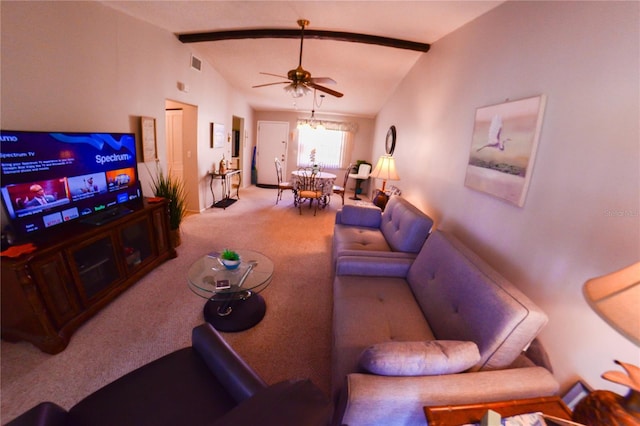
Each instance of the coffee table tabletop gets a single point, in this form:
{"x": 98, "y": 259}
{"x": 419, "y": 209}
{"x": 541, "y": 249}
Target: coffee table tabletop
{"x": 233, "y": 301}
{"x": 206, "y": 272}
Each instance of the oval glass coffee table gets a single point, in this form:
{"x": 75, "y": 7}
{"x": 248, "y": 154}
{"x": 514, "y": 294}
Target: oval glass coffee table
{"x": 234, "y": 302}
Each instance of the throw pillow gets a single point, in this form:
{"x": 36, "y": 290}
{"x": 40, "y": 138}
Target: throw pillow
{"x": 420, "y": 358}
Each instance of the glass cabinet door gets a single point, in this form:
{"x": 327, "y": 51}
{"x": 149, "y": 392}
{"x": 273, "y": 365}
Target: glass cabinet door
{"x": 136, "y": 243}
{"x": 96, "y": 266}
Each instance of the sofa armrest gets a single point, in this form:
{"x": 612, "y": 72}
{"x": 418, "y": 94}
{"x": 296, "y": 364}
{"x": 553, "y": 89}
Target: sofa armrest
{"x": 380, "y": 264}
{"x": 43, "y": 414}
{"x": 238, "y": 378}
{"x": 369, "y": 216}
{"x": 370, "y": 399}
{"x": 288, "y": 403}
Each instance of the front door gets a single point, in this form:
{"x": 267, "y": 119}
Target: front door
{"x": 273, "y": 137}
{"x": 173, "y": 133}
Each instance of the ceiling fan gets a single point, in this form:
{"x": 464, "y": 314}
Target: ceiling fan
{"x": 299, "y": 81}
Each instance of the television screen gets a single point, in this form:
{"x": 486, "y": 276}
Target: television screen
{"x": 49, "y": 178}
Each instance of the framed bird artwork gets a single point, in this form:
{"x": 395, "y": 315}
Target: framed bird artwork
{"x": 503, "y": 148}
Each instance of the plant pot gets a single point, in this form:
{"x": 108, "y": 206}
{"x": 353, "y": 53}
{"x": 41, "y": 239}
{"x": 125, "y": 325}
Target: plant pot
{"x": 175, "y": 237}
{"x": 230, "y": 264}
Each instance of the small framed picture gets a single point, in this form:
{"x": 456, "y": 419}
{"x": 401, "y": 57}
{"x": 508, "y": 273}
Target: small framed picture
{"x": 217, "y": 135}
{"x": 148, "y": 136}
{"x": 578, "y": 391}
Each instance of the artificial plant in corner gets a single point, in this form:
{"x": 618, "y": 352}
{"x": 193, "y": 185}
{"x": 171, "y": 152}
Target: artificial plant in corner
{"x": 171, "y": 188}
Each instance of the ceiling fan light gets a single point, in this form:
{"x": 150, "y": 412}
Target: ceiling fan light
{"x": 297, "y": 90}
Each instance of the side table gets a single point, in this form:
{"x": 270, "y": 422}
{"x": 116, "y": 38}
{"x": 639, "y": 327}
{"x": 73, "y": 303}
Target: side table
{"x": 455, "y": 415}
{"x": 226, "y": 180}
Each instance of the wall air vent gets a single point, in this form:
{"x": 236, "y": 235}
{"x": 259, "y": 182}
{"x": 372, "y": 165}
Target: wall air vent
{"x": 196, "y": 63}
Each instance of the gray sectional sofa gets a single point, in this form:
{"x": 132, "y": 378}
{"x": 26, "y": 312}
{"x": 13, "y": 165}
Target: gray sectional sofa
{"x": 449, "y": 330}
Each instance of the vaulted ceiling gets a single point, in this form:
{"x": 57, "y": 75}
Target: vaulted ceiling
{"x": 367, "y": 74}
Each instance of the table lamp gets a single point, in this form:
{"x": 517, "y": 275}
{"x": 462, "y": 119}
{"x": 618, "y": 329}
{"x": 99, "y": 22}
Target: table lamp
{"x": 616, "y": 298}
{"x": 385, "y": 169}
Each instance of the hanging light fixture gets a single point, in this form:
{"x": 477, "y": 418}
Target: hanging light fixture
{"x": 297, "y": 90}
{"x": 312, "y": 122}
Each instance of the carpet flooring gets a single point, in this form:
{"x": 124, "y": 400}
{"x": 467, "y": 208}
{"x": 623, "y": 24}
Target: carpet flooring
{"x": 155, "y": 316}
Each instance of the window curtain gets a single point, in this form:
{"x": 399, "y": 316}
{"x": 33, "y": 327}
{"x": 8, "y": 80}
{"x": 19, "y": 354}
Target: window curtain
{"x": 347, "y": 149}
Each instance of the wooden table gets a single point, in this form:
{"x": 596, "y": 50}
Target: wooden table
{"x": 455, "y": 415}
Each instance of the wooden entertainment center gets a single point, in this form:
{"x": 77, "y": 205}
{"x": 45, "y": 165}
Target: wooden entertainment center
{"x": 49, "y": 293}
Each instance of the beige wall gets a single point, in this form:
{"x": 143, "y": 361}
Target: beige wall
{"x": 584, "y": 57}
{"x": 81, "y": 66}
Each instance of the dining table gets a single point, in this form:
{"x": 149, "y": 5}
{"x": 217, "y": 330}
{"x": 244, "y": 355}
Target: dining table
{"x": 326, "y": 181}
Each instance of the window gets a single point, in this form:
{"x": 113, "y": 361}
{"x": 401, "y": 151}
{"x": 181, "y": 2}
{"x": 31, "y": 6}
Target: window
{"x": 330, "y": 147}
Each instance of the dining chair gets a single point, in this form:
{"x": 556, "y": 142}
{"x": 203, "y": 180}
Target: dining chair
{"x": 282, "y": 185}
{"x": 340, "y": 190}
{"x": 309, "y": 188}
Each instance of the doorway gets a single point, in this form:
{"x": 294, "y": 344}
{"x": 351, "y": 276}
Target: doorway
{"x": 181, "y": 130}
{"x": 237, "y": 142}
{"x": 273, "y": 137}
{"x": 173, "y": 123}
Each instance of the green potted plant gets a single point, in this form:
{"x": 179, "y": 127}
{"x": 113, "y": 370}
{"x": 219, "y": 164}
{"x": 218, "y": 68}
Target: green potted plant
{"x": 171, "y": 188}
{"x": 230, "y": 259}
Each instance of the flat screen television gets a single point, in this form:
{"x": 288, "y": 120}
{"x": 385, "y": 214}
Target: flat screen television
{"x": 50, "y": 179}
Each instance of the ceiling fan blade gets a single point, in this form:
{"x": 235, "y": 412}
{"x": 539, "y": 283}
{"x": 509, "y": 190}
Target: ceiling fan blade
{"x": 273, "y": 75}
{"x": 323, "y": 80}
{"x": 271, "y": 84}
{"x": 324, "y": 89}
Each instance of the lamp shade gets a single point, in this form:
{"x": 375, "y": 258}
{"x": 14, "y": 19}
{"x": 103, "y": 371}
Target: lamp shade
{"x": 385, "y": 169}
{"x": 616, "y": 298}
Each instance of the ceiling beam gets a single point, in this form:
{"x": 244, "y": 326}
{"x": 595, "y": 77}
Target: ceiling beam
{"x": 315, "y": 34}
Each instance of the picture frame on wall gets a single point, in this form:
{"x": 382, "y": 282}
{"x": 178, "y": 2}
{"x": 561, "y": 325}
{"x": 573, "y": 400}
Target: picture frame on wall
{"x": 217, "y": 135}
{"x": 503, "y": 148}
{"x": 148, "y": 139}
{"x": 575, "y": 394}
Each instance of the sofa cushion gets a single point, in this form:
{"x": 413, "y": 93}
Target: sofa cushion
{"x": 463, "y": 298}
{"x": 370, "y": 310}
{"x": 404, "y": 226}
{"x": 359, "y": 215}
{"x": 424, "y": 358}
{"x": 359, "y": 238}
{"x": 375, "y": 264}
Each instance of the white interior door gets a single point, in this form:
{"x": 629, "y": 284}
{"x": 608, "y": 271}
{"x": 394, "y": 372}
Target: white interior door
{"x": 175, "y": 159}
{"x": 273, "y": 138}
